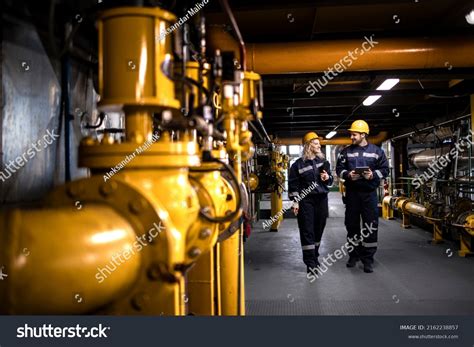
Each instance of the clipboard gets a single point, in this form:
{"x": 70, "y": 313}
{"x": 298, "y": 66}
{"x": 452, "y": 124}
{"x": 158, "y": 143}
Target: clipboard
{"x": 360, "y": 170}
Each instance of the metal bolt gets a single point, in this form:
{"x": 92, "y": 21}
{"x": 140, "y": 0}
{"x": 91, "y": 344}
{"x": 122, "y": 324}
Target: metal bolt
{"x": 136, "y": 206}
{"x": 108, "y": 188}
{"x": 75, "y": 190}
{"x": 189, "y": 201}
{"x": 205, "y": 233}
{"x": 194, "y": 252}
{"x": 206, "y": 210}
{"x": 138, "y": 301}
{"x": 153, "y": 272}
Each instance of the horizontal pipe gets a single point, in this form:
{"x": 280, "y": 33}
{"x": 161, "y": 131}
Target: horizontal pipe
{"x": 377, "y": 139}
{"x": 415, "y": 209}
{"x": 53, "y": 256}
{"x": 430, "y": 127}
{"x": 317, "y": 56}
{"x": 423, "y": 159}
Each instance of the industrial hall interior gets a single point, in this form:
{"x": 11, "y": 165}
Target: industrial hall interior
{"x": 237, "y": 157}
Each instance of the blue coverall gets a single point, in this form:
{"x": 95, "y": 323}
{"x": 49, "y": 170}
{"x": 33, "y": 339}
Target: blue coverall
{"x": 306, "y": 187}
{"x": 361, "y": 197}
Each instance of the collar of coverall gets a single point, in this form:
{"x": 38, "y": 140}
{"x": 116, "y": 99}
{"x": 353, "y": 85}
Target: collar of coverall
{"x": 363, "y": 147}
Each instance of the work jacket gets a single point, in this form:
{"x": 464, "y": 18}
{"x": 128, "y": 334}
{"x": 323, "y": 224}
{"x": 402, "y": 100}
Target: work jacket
{"x": 354, "y": 156}
{"x": 305, "y": 178}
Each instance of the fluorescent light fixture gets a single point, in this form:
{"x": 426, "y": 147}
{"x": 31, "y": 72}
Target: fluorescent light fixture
{"x": 371, "y": 99}
{"x": 388, "y": 84}
{"x": 470, "y": 17}
{"x": 331, "y": 134}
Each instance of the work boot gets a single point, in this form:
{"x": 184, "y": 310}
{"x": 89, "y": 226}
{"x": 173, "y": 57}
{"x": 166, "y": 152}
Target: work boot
{"x": 352, "y": 262}
{"x": 368, "y": 268}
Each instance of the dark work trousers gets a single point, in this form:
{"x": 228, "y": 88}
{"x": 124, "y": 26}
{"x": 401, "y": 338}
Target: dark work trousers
{"x": 312, "y": 214}
{"x": 362, "y": 204}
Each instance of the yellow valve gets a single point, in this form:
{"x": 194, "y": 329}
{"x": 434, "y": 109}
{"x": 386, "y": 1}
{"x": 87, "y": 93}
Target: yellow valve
{"x": 253, "y": 182}
{"x": 132, "y": 62}
{"x": 249, "y": 90}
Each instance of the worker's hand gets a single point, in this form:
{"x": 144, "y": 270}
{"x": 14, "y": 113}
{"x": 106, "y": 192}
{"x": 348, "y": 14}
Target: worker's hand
{"x": 324, "y": 175}
{"x": 368, "y": 175}
{"x": 353, "y": 176}
{"x": 296, "y": 208}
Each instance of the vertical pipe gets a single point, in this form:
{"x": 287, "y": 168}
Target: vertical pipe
{"x": 66, "y": 114}
{"x": 138, "y": 125}
{"x": 472, "y": 138}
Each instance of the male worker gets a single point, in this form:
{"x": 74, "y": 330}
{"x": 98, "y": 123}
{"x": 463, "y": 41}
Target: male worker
{"x": 362, "y": 166}
{"x": 308, "y": 184}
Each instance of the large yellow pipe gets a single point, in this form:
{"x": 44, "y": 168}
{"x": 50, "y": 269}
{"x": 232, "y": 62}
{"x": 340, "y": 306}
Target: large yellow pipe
{"x": 377, "y": 139}
{"x": 317, "y": 56}
{"x": 56, "y": 270}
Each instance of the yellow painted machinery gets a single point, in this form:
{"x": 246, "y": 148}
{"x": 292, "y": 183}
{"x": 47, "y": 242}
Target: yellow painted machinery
{"x": 279, "y": 164}
{"x": 461, "y": 217}
{"x": 159, "y": 202}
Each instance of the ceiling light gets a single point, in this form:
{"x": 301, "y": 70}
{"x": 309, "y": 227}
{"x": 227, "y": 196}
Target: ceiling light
{"x": 371, "y": 99}
{"x": 331, "y": 134}
{"x": 470, "y": 17}
{"x": 388, "y": 84}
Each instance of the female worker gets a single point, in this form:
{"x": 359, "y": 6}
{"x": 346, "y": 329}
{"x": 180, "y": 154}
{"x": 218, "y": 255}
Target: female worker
{"x": 310, "y": 177}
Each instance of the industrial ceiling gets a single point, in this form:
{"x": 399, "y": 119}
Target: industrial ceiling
{"x": 421, "y": 96}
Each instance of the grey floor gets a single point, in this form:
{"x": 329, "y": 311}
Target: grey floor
{"x": 411, "y": 277}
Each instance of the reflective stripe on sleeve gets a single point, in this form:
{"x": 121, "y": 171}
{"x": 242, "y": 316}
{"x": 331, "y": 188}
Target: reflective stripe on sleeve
{"x": 308, "y": 247}
{"x": 370, "y": 155}
{"x": 352, "y": 155}
{"x": 307, "y": 168}
{"x": 369, "y": 244}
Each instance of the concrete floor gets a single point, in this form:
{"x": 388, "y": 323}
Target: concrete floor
{"x": 411, "y": 276}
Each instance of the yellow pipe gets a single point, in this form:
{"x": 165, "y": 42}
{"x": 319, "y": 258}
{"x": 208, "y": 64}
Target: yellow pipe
{"x": 387, "y": 212}
{"x": 232, "y": 265}
{"x": 201, "y": 284}
{"x": 387, "y": 54}
{"x": 138, "y": 125}
{"x": 231, "y": 250}
{"x": 376, "y": 139}
{"x": 415, "y": 209}
{"x": 65, "y": 260}
{"x": 216, "y": 193}
{"x": 276, "y": 207}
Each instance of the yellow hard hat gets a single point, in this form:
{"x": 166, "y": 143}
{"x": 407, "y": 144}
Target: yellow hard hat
{"x": 359, "y": 126}
{"x": 310, "y": 136}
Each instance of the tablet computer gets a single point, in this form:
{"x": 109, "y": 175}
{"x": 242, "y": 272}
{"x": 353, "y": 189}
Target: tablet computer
{"x": 360, "y": 170}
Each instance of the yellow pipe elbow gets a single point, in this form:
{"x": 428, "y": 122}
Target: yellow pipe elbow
{"x": 65, "y": 260}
